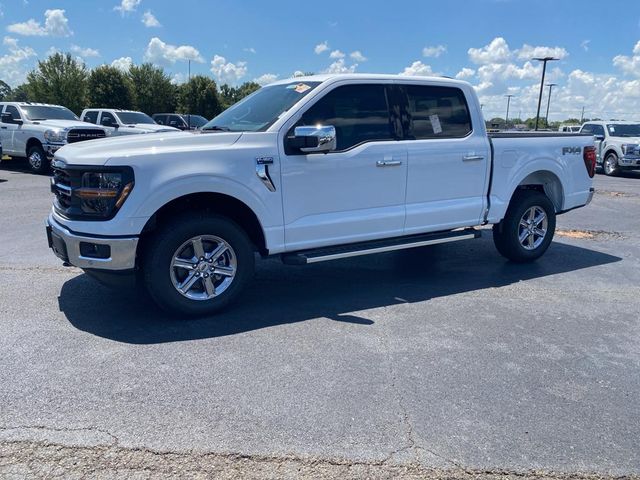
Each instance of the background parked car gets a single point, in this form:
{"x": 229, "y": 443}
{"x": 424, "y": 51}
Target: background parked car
{"x": 617, "y": 145}
{"x": 122, "y": 122}
{"x": 37, "y": 130}
{"x": 569, "y": 128}
{"x": 181, "y": 121}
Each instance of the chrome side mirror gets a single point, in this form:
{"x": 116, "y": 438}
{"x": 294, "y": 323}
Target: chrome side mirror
{"x": 321, "y": 138}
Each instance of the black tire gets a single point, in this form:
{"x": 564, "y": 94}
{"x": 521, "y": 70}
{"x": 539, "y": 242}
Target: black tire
{"x": 159, "y": 275}
{"x": 506, "y": 234}
{"x": 610, "y": 165}
{"x": 37, "y": 160}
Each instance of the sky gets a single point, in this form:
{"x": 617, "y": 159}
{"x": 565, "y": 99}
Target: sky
{"x": 488, "y": 43}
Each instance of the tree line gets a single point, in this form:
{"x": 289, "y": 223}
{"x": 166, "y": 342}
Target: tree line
{"x": 63, "y": 80}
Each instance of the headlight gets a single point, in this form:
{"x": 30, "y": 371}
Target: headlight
{"x": 630, "y": 149}
{"x": 103, "y": 193}
{"x": 55, "y": 136}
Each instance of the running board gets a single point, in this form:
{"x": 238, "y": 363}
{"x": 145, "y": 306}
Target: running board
{"x": 377, "y": 246}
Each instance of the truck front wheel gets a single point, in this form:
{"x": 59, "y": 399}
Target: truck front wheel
{"x": 197, "y": 265}
{"x": 527, "y": 229}
{"x": 37, "y": 159}
{"x": 610, "y": 165}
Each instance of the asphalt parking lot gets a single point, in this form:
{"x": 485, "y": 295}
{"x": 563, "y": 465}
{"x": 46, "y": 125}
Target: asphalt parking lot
{"x": 440, "y": 362}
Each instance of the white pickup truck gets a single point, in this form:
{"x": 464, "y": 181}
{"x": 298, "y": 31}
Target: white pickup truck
{"x": 312, "y": 169}
{"x": 123, "y": 122}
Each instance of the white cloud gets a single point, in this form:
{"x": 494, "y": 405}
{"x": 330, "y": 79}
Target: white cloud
{"x": 179, "y": 78}
{"x": 55, "y": 25}
{"x": 465, "y": 73}
{"x": 496, "y": 52}
{"x": 266, "y": 79}
{"x": 84, "y": 52}
{"x": 527, "y": 52}
{"x": 122, "y": 63}
{"x": 585, "y": 45}
{"x": 127, "y": 6}
{"x": 336, "y": 54}
{"x": 13, "y": 64}
{"x": 417, "y": 68}
{"x": 162, "y": 53}
{"x": 434, "y": 51}
{"x": 227, "y": 72}
{"x": 321, "y": 47}
{"x": 629, "y": 65}
{"x": 298, "y": 73}
{"x": 150, "y": 20}
{"x": 249, "y": 50}
{"x": 339, "y": 66}
{"x": 358, "y": 56}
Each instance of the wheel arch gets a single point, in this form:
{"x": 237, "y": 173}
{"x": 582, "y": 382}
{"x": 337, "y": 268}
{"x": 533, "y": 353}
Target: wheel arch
{"x": 210, "y": 202}
{"x": 33, "y": 142}
{"x": 546, "y": 182}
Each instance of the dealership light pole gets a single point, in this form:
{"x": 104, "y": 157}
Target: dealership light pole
{"x": 544, "y": 61}
{"x": 506, "y": 118}
{"x": 550, "y": 85}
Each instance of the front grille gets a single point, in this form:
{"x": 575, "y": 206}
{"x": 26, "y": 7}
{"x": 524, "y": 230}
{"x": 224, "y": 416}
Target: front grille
{"x": 62, "y": 183}
{"x": 80, "y": 134}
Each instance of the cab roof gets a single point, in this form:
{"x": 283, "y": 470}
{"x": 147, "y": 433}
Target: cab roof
{"x": 334, "y": 77}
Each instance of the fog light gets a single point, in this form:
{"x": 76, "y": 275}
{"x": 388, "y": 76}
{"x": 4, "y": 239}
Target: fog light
{"x": 94, "y": 250}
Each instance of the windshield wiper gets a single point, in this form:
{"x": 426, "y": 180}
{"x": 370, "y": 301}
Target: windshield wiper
{"x": 217, "y": 128}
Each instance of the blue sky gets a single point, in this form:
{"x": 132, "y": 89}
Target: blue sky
{"x": 486, "y": 42}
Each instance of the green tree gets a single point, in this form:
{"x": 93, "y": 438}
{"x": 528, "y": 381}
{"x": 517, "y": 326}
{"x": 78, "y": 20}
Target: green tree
{"x": 5, "y": 90}
{"x": 199, "y": 96}
{"x": 152, "y": 89}
{"x": 18, "y": 94}
{"x": 231, "y": 95}
{"x": 61, "y": 80}
{"x": 109, "y": 88}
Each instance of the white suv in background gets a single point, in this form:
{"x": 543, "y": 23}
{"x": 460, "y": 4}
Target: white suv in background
{"x": 123, "y": 122}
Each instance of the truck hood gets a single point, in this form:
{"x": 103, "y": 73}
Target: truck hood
{"x": 65, "y": 124}
{"x": 149, "y": 128}
{"x": 99, "y": 152}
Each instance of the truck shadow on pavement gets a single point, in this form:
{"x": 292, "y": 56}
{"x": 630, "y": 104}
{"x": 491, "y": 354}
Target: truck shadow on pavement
{"x": 283, "y": 294}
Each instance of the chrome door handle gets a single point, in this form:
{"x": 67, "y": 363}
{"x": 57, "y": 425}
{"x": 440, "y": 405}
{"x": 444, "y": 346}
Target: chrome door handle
{"x": 388, "y": 163}
{"x": 470, "y": 158}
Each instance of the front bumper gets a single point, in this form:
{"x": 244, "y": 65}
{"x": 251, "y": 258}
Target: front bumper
{"x": 51, "y": 148}
{"x": 66, "y": 245}
{"x": 633, "y": 162}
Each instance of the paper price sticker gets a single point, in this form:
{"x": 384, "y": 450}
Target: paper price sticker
{"x": 435, "y": 124}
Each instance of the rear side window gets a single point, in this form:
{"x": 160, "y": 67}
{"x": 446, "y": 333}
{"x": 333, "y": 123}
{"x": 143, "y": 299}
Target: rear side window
{"x": 360, "y": 113}
{"x": 436, "y": 112}
{"x": 91, "y": 116}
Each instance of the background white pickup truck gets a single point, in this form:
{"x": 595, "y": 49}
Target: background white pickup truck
{"x": 123, "y": 122}
{"x": 617, "y": 145}
{"x": 37, "y": 130}
{"x": 315, "y": 169}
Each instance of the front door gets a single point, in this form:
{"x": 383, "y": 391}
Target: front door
{"x": 356, "y": 192}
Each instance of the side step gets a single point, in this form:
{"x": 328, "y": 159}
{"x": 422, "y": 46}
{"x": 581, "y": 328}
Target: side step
{"x": 377, "y": 246}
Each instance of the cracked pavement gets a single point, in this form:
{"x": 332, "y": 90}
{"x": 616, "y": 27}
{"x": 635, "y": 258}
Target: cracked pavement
{"x": 445, "y": 362}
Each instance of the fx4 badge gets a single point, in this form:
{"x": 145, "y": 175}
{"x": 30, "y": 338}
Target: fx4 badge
{"x": 262, "y": 171}
{"x": 571, "y": 150}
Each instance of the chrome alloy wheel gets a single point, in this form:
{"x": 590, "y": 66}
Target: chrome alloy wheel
{"x": 609, "y": 165}
{"x": 532, "y": 229}
{"x": 35, "y": 160}
{"x": 203, "y": 267}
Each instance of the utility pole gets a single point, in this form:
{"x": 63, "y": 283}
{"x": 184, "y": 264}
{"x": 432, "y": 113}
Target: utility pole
{"x": 550, "y": 85}
{"x": 189, "y": 112}
{"x": 506, "y": 118}
{"x": 582, "y": 116}
{"x": 544, "y": 61}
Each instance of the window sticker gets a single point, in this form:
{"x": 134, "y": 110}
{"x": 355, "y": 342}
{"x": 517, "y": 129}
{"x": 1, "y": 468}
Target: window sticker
{"x": 435, "y": 124}
{"x": 612, "y": 129}
{"x": 299, "y": 88}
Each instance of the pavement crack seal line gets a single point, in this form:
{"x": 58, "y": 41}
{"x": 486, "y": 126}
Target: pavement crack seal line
{"x": 589, "y": 234}
{"x": 42, "y": 458}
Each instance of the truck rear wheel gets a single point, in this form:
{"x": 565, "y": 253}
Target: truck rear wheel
{"x": 527, "y": 229}
{"x": 37, "y": 160}
{"x": 198, "y": 265}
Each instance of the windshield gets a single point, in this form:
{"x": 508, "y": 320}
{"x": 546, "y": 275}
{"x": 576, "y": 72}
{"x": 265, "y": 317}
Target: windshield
{"x": 38, "y": 112}
{"x": 131, "y": 118}
{"x": 260, "y": 110}
{"x": 195, "y": 120}
{"x": 624, "y": 130}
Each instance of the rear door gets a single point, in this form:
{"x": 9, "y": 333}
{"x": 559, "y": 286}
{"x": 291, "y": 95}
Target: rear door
{"x": 14, "y": 139}
{"x": 355, "y": 192}
{"x": 448, "y": 160}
